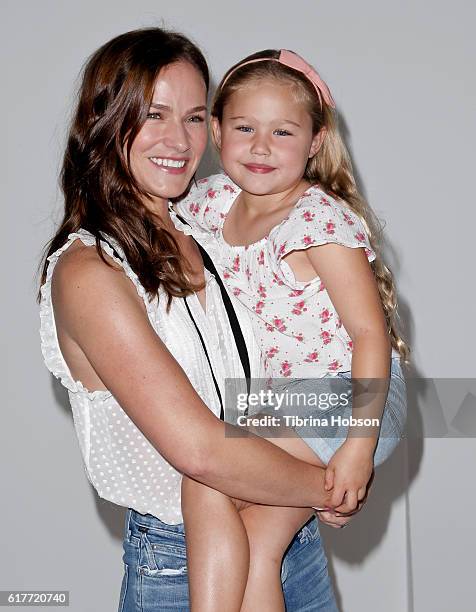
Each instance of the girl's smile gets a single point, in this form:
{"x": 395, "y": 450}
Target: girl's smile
{"x": 265, "y": 138}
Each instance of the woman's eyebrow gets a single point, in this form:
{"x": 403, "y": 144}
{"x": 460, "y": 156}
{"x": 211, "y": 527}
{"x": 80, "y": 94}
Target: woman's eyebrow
{"x": 195, "y": 109}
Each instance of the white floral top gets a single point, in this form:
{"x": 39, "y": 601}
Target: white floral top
{"x": 295, "y": 323}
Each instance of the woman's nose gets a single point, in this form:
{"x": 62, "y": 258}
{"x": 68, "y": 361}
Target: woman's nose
{"x": 260, "y": 145}
{"x": 176, "y": 137}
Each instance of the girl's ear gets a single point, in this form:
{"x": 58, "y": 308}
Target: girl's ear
{"x": 216, "y": 132}
{"x": 317, "y": 141}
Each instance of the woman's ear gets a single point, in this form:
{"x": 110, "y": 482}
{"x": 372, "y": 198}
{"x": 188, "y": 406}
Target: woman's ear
{"x": 317, "y": 141}
{"x": 216, "y": 132}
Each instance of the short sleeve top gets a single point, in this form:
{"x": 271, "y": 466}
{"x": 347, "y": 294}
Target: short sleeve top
{"x": 296, "y": 324}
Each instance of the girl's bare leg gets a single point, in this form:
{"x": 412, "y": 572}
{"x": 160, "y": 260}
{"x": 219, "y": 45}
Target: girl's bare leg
{"x": 270, "y": 529}
{"x": 241, "y": 571}
{"x": 217, "y": 564}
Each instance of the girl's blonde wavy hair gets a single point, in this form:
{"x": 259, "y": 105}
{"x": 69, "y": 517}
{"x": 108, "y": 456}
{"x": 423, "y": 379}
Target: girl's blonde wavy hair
{"x": 330, "y": 168}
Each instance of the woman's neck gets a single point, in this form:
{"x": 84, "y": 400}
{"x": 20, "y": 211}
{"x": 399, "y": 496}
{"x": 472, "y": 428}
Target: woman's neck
{"x": 160, "y": 209}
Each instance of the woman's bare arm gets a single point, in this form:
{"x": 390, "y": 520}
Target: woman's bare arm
{"x": 97, "y": 308}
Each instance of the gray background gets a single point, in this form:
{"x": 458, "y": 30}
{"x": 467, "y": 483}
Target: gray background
{"x": 403, "y": 79}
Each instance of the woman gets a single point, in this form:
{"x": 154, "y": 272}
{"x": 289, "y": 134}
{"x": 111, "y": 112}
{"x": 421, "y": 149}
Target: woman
{"x": 125, "y": 307}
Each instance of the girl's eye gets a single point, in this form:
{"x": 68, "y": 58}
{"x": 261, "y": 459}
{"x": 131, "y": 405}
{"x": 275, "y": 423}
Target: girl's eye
{"x": 196, "y": 119}
{"x": 153, "y": 116}
{"x": 282, "y": 133}
{"x": 244, "y": 128}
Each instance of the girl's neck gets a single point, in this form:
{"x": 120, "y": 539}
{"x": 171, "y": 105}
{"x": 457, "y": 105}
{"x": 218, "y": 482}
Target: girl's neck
{"x": 271, "y": 203}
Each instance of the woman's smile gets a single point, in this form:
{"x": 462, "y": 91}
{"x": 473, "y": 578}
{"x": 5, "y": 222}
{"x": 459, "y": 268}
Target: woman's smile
{"x": 170, "y": 165}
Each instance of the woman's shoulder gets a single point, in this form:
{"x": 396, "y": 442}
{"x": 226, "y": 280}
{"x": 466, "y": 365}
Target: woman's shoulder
{"x": 81, "y": 274}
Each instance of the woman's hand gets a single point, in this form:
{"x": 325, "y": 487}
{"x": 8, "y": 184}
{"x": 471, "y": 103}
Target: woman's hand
{"x": 348, "y": 474}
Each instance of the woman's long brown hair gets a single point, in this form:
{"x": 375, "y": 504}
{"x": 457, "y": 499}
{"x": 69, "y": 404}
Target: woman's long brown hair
{"x": 100, "y": 193}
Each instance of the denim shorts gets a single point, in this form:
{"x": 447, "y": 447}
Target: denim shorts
{"x": 330, "y": 434}
{"x": 155, "y": 568}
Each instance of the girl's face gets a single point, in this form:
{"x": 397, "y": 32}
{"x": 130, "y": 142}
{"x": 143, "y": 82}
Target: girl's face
{"x": 265, "y": 138}
{"x": 167, "y": 150}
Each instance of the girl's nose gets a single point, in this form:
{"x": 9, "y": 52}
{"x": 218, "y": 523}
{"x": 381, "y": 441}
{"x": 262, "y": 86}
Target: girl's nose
{"x": 260, "y": 145}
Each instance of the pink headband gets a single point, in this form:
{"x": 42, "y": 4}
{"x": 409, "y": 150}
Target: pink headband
{"x": 295, "y": 61}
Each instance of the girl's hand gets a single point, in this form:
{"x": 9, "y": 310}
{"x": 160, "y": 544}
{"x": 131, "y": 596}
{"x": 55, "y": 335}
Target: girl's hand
{"x": 348, "y": 474}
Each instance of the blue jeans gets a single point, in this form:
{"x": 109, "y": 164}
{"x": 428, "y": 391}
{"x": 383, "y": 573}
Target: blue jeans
{"x": 155, "y": 569}
{"x": 325, "y": 438}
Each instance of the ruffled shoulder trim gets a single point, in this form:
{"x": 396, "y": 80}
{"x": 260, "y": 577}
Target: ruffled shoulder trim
{"x": 207, "y": 202}
{"x": 50, "y": 348}
{"x": 320, "y": 219}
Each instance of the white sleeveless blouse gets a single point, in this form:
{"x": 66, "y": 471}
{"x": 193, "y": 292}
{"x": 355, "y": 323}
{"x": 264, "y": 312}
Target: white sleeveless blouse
{"x": 119, "y": 461}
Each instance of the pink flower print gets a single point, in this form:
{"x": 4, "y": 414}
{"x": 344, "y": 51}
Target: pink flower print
{"x": 296, "y": 292}
{"x": 286, "y": 368}
{"x": 338, "y": 323}
{"x": 279, "y": 324}
{"x": 277, "y": 280}
{"x": 350, "y": 345}
{"x": 272, "y": 351}
{"x": 248, "y": 273}
{"x": 325, "y": 315}
{"x": 261, "y": 290}
{"x": 312, "y": 357}
{"x": 261, "y": 258}
{"x": 348, "y": 219}
{"x": 325, "y": 201}
{"x": 282, "y": 249}
{"x": 229, "y": 188}
{"x": 308, "y": 215}
{"x": 258, "y": 307}
{"x": 360, "y": 236}
{"x": 202, "y": 181}
{"x": 307, "y": 240}
{"x": 330, "y": 227}
{"x": 236, "y": 291}
{"x": 207, "y": 209}
{"x": 194, "y": 208}
{"x": 321, "y": 287}
{"x": 226, "y": 274}
{"x": 299, "y": 337}
{"x": 236, "y": 264}
{"x": 334, "y": 365}
{"x": 269, "y": 327}
{"x": 326, "y": 337}
{"x": 222, "y": 215}
{"x": 368, "y": 253}
{"x": 211, "y": 193}
{"x": 299, "y": 308}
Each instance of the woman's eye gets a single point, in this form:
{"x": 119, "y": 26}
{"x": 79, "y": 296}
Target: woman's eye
{"x": 244, "y": 128}
{"x": 153, "y": 116}
{"x": 282, "y": 133}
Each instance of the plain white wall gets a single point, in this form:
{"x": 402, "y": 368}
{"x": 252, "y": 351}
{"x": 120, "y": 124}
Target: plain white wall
{"x": 401, "y": 74}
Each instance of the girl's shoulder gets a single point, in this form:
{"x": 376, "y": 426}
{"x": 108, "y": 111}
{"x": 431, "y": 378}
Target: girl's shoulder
{"x": 319, "y": 218}
{"x": 208, "y": 200}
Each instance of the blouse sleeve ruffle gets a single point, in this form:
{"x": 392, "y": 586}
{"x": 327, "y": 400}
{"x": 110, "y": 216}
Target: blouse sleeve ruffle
{"x": 203, "y": 205}
{"x": 317, "y": 220}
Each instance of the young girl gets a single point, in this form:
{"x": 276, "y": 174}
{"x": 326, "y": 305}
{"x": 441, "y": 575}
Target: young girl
{"x": 297, "y": 244}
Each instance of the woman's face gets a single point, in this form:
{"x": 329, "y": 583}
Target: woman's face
{"x": 167, "y": 150}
